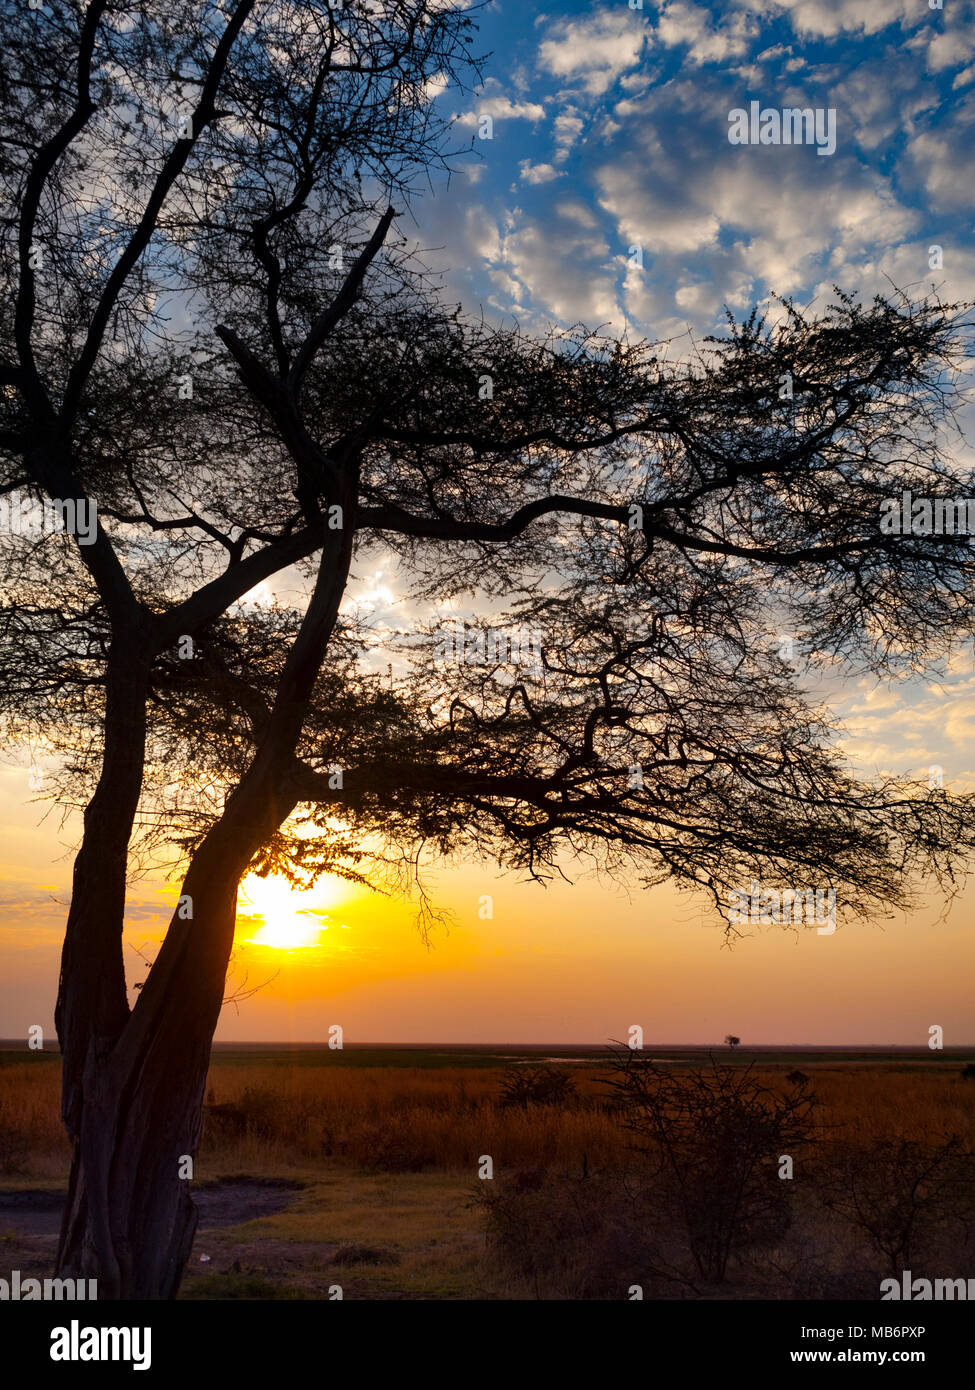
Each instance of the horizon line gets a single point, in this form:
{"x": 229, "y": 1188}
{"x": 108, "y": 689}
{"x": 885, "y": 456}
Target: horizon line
{"x": 18, "y": 1044}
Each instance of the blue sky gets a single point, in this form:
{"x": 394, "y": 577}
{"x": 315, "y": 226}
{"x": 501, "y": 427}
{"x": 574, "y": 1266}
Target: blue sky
{"x": 611, "y": 130}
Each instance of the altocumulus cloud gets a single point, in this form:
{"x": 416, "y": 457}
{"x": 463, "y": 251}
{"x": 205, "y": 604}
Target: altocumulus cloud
{"x": 635, "y": 106}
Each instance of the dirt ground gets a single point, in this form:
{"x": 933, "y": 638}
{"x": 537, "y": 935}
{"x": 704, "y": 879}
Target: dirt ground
{"x": 350, "y": 1236}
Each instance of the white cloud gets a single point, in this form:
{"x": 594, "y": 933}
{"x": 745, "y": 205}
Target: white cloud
{"x": 597, "y": 49}
{"x": 792, "y": 220}
{"x": 435, "y": 86}
{"x": 538, "y": 173}
{"x": 502, "y": 108}
{"x": 944, "y": 159}
{"x": 651, "y": 167}
{"x": 725, "y": 224}
{"x": 882, "y": 97}
{"x": 950, "y": 49}
{"x": 701, "y": 299}
{"x": 772, "y": 54}
{"x": 574, "y": 211}
{"x": 481, "y": 236}
{"x": 827, "y": 18}
{"x": 643, "y": 219}
{"x": 535, "y": 255}
{"x": 568, "y": 128}
{"x": 684, "y": 23}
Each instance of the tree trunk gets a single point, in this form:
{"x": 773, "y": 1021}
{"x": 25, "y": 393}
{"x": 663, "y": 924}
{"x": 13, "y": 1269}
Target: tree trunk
{"x": 92, "y": 1007}
{"x": 129, "y": 1221}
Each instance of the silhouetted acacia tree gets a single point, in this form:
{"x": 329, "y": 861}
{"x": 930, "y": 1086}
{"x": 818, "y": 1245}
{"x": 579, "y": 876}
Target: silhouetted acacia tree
{"x": 210, "y": 330}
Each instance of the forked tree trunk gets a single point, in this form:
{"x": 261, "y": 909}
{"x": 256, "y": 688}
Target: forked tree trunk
{"x": 130, "y": 1220}
{"x": 133, "y": 1101}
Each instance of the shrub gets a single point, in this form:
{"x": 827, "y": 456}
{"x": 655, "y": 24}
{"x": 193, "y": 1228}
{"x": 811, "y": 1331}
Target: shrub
{"x": 393, "y": 1148}
{"x": 714, "y": 1138}
{"x": 903, "y": 1194}
{"x": 364, "y": 1255}
{"x": 567, "y": 1237}
{"x": 541, "y": 1084}
{"x": 14, "y": 1148}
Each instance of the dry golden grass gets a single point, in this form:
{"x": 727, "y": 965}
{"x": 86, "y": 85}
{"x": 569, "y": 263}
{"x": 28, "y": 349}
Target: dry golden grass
{"x": 388, "y": 1160}
{"x": 869, "y": 1104}
{"x": 32, "y": 1139}
{"x": 270, "y": 1118}
{"x": 396, "y": 1119}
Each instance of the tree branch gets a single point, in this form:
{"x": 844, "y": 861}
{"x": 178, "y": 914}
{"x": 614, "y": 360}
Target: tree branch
{"x": 172, "y": 168}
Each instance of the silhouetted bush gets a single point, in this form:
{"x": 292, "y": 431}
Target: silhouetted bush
{"x": 568, "y": 1237}
{"x": 537, "y": 1085}
{"x": 357, "y": 1254}
{"x": 14, "y": 1148}
{"x": 392, "y": 1148}
{"x": 714, "y": 1139}
{"x": 910, "y": 1198}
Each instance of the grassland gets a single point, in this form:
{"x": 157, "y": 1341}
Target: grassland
{"x": 372, "y": 1158}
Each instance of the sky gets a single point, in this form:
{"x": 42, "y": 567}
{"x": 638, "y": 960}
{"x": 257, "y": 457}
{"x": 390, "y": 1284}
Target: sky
{"x": 611, "y": 132}
{"x": 609, "y": 194}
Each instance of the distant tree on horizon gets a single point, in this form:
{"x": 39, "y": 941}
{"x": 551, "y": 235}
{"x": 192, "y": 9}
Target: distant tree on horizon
{"x": 731, "y": 1041}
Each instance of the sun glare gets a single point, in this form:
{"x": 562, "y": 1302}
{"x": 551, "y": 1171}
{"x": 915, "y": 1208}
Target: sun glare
{"x": 286, "y": 920}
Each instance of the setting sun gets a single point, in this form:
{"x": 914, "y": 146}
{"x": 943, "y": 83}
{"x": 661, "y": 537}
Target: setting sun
{"x": 287, "y": 919}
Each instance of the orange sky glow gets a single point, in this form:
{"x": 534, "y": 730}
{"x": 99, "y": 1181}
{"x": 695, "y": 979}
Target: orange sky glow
{"x": 577, "y": 963}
